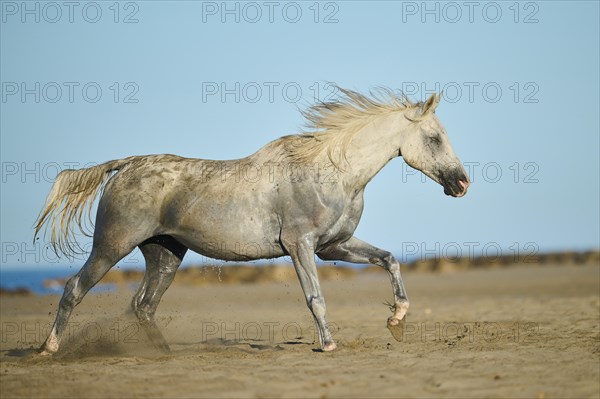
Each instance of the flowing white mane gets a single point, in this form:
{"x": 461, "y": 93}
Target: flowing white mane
{"x": 331, "y": 126}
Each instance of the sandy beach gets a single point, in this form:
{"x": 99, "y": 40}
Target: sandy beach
{"x": 520, "y": 331}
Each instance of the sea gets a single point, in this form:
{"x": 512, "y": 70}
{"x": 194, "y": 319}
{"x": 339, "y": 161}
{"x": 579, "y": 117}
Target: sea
{"x": 36, "y": 279}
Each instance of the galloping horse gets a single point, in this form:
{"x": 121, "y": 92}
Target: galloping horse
{"x": 299, "y": 195}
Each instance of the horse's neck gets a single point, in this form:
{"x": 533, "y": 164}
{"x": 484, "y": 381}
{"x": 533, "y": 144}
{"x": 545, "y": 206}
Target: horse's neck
{"x": 372, "y": 148}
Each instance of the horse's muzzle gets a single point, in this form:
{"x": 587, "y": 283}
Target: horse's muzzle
{"x": 456, "y": 186}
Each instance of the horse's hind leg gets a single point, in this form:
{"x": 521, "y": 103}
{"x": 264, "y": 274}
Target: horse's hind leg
{"x": 98, "y": 264}
{"x": 163, "y": 255}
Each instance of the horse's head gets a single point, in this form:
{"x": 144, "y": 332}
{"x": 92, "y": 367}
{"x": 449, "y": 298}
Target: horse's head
{"x": 426, "y": 147}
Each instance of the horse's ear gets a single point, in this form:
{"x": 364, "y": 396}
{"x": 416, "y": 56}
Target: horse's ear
{"x": 431, "y": 104}
{"x": 425, "y": 108}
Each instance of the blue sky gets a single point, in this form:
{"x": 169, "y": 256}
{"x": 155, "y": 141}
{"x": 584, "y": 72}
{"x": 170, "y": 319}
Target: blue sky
{"x": 90, "y": 82}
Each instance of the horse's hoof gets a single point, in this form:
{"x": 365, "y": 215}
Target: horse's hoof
{"x": 45, "y": 352}
{"x": 50, "y": 347}
{"x": 329, "y": 347}
{"x": 396, "y": 327}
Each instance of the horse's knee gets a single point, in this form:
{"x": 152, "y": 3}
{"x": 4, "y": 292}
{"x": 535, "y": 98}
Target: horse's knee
{"x": 143, "y": 310}
{"x": 72, "y": 294}
{"x": 316, "y": 304}
{"x": 138, "y": 307}
{"x": 390, "y": 263}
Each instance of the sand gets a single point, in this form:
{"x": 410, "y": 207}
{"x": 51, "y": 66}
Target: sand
{"x": 529, "y": 332}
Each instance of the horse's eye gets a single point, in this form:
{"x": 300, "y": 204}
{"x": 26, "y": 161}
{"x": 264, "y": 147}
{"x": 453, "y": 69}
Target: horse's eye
{"x": 435, "y": 139}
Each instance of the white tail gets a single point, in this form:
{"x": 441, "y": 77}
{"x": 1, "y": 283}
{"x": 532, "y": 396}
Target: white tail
{"x": 72, "y": 193}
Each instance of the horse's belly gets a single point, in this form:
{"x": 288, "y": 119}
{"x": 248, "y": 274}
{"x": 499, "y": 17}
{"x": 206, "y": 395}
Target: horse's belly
{"x": 236, "y": 232}
{"x": 229, "y": 245}
{"x": 233, "y": 251}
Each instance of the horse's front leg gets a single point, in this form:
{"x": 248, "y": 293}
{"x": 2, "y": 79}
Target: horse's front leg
{"x": 303, "y": 255}
{"x": 357, "y": 251}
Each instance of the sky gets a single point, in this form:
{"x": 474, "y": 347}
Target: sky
{"x": 87, "y": 82}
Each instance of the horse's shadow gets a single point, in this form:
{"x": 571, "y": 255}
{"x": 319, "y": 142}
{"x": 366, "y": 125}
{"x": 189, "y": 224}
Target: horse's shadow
{"x": 246, "y": 345}
{"x": 21, "y": 353}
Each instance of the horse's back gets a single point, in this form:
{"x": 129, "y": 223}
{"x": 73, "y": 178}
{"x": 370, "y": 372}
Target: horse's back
{"x": 205, "y": 204}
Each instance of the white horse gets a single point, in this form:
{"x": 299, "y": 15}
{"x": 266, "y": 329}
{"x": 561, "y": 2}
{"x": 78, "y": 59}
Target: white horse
{"x": 299, "y": 195}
